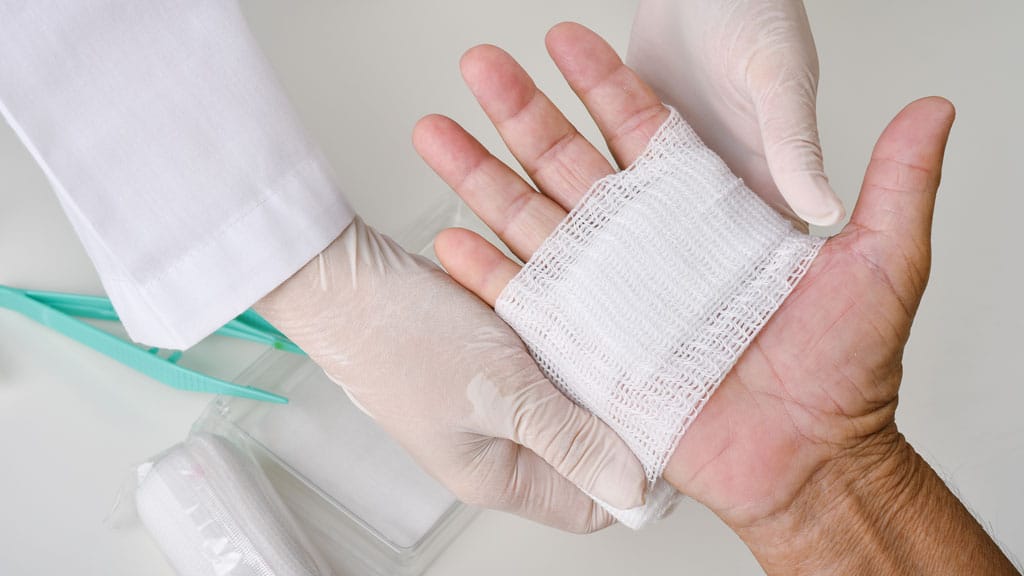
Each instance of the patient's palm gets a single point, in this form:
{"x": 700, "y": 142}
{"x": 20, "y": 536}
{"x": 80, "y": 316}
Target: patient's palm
{"x": 821, "y": 377}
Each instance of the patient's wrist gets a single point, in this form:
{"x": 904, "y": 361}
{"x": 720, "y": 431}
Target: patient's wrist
{"x": 835, "y": 514}
{"x": 877, "y": 508}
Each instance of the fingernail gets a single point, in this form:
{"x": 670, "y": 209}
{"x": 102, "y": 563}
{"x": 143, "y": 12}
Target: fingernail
{"x": 821, "y": 206}
{"x": 622, "y": 482}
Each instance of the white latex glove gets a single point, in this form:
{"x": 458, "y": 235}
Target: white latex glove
{"x": 439, "y": 371}
{"x": 744, "y": 74}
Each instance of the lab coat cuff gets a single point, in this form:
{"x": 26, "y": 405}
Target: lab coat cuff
{"x": 215, "y": 281}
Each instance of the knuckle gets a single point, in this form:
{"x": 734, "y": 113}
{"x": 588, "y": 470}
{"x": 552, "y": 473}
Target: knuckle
{"x": 643, "y": 123}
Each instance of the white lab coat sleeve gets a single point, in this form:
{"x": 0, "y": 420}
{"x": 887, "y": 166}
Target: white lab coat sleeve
{"x": 174, "y": 152}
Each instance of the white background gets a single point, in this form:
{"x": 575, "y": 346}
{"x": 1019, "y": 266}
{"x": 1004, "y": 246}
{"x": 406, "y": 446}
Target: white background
{"x": 361, "y": 72}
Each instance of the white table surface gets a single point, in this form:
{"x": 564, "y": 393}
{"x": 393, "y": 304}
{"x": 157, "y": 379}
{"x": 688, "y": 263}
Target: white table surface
{"x": 72, "y": 423}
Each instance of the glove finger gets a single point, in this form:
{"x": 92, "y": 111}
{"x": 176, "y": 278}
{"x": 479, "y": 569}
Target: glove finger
{"x": 517, "y": 480}
{"x": 533, "y": 413}
{"x": 789, "y": 130}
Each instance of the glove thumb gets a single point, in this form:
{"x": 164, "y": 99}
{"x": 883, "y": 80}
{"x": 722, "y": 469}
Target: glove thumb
{"x": 574, "y": 442}
{"x": 789, "y": 130}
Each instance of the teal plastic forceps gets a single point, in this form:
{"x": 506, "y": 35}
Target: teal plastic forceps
{"x": 58, "y": 311}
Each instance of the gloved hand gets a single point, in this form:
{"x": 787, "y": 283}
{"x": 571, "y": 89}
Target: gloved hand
{"x": 449, "y": 380}
{"x": 744, "y": 74}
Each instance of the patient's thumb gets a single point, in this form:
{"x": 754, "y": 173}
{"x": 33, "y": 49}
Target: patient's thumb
{"x": 897, "y": 199}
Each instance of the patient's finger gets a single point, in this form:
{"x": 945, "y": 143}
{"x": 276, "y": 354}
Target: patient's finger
{"x": 507, "y": 204}
{"x": 561, "y": 162}
{"x": 474, "y": 262}
{"x": 626, "y": 110}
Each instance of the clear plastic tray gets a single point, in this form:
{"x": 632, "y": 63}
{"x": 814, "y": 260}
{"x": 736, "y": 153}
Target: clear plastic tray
{"x": 363, "y": 501}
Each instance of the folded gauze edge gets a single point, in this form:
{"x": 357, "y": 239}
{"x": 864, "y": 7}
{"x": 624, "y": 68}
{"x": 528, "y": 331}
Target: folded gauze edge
{"x": 644, "y": 297}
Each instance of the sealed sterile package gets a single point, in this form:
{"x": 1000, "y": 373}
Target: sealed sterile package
{"x": 363, "y": 502}
{"x": 212, "y": 511}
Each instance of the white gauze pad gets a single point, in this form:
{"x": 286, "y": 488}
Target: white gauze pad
{"x": 644, "y": 297}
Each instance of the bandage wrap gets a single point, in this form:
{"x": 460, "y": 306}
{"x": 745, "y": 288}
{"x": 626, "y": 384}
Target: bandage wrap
{"x": 644, "y": 297}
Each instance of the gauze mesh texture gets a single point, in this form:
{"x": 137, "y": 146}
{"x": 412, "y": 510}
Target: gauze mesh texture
{"x": 644, "y": 297}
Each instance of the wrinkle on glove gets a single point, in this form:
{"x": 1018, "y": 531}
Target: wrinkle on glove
{"x": 213, "y": 512}
{"x": 644, "y": 297}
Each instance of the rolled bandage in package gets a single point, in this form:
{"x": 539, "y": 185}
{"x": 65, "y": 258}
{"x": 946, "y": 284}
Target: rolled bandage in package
{"x": 212, "y": 511}
{"x": 644, "y": 297}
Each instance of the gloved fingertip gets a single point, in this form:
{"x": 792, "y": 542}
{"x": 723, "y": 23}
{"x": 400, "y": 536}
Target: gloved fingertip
{"x": 816, "y": 203}
{"x": 622, "y": 482}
